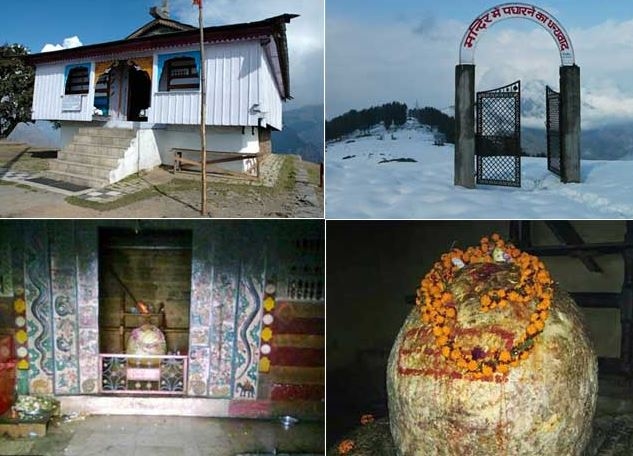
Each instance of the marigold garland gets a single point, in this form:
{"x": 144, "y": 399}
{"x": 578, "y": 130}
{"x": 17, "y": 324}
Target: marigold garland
{"x": 438, "y": 307}
{"x": 345, "y": 446}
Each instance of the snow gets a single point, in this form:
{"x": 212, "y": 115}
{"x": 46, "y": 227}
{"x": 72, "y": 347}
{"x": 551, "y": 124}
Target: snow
{"x": 361, "y": 187}
{"x": 68, "y": 43}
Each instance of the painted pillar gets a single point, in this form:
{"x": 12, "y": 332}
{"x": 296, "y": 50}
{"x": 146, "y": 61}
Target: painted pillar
{"x": 465, "y": 126}
{"x": 570, "y": 123}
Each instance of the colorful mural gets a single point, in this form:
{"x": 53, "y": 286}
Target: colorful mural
{"x": 87, "y": 248}
{"x": 64, "y": 298}
{"x": 248, "y": 324}
{"x": 38, "y": 299}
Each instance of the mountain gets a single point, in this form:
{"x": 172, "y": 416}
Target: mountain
{"x": 612, "y": 141}
{"x": 302, "y": 133}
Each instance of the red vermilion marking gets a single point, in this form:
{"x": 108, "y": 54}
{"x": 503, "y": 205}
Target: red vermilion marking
{"x": 421, "y": 340}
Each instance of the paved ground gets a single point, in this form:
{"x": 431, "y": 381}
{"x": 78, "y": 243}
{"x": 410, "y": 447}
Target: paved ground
{"x": 169, "y": 436}
{"x": 160, "y": 193}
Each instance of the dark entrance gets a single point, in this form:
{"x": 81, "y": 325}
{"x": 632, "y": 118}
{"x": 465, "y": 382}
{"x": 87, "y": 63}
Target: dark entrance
{"x": 139, "y": 94}
{"x": 498, "y": 136}
{"x": 553, "y": 130}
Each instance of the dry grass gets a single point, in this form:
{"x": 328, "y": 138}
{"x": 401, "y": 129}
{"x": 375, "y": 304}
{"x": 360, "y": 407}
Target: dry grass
{"x": 21, "y": 157}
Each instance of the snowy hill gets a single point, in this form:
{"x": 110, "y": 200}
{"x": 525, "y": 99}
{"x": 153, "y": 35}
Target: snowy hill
{"x": 409, "y": 177}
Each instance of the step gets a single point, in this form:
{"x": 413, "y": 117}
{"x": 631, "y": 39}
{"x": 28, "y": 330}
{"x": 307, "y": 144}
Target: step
{"x": 90, "y": 159}
{"x": 95, "y": 149}
{"x": 91, "y": 182}
{"x": 81, "y": 169}
{"x": 107, "y": 132}
{"x": 102, "y": 140}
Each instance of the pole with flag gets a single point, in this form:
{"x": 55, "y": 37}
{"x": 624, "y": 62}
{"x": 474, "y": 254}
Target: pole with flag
{"x": 203, "y": 108}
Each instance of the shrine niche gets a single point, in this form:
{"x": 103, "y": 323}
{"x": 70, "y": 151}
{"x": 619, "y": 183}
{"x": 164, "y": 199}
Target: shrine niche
{"x": 227, "y": 312}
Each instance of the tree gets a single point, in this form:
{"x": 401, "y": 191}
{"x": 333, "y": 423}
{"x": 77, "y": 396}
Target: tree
{"x": 16, "y": 88}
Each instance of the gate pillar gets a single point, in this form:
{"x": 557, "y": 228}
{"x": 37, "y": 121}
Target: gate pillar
{"x": 465, "y": 125}
{"x": 570, "y": 123}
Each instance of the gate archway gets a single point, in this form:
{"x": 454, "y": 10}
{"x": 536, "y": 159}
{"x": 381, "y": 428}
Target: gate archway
{"x": 569, "y": 98}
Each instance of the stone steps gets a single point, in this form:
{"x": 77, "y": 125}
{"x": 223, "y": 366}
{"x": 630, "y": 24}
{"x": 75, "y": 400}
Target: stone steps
{"x": 92, "y": 156}
{"x": 107, "y": 132}
{"x": 73, "y": 149}
{"x": 84, "y": 139}
{"x": 110, "y": 160}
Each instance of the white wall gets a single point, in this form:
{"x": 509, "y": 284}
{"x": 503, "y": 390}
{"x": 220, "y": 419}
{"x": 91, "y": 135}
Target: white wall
{"x": 48, "y": 94}
{"x": 269, "y": 94}
{"x": 220, "y": 139}
{"x": 239, "y": 78}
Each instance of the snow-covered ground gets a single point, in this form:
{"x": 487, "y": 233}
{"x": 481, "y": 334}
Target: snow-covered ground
{"x": 360, "y": 187}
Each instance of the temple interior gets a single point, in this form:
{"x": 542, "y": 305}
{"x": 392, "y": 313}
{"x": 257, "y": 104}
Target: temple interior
{"x": 150, "y": 337}
{"x": 379, "y": 265}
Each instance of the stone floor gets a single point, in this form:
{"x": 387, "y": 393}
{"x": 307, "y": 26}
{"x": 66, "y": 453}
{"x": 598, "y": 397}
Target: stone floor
{"x": 158, "y": 436}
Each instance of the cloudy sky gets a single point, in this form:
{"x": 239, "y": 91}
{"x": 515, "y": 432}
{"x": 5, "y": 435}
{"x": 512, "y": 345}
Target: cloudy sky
{"x": 406, "y": 50}
{"x": 58, "y": 23}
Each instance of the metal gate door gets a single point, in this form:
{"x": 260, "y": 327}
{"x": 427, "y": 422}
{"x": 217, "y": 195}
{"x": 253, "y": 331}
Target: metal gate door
{"x": 553, "y": 130}
{"x": 498, "y": 136}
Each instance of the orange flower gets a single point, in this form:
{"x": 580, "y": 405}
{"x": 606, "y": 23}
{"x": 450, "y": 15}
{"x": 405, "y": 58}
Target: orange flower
{"x": 440, "y": 341}
{"x": 345, "y": 446}
{"x": 505, "y": 356}
{"x": 366, "y": 419}
{"x": 534, "y": 289}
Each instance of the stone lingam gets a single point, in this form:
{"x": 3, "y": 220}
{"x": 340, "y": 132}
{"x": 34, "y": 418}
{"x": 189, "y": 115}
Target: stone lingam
{"x": 493, "y": 360}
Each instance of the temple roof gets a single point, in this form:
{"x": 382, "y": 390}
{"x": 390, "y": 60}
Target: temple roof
{"x": 271, "y": 32}
{"x": 159, "y": 26}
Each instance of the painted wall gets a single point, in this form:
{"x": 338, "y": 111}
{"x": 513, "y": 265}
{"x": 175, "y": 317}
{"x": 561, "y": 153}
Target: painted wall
{"x": 231, "y": 263}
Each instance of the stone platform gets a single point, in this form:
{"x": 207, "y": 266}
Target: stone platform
{"x": 16, "y": 428}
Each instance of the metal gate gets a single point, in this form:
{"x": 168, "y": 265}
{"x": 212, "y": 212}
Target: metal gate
{"x": 498, "y": 136}
{"x": 553, "y": 130}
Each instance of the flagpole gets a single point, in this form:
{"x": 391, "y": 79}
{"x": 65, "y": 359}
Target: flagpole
{"x": 203, "y": 109}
